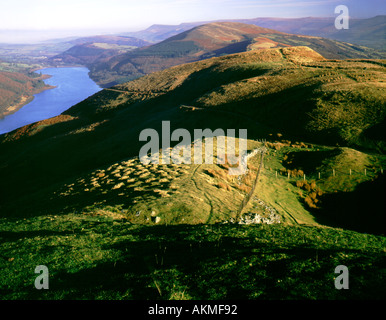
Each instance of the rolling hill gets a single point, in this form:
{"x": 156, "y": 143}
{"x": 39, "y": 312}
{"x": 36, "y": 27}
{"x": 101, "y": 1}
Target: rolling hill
{"x": 88, "y": 50}
{"x": 76, "y": 197}
{"x": 111, "y": 39}
{"x": 210, "y": 40}
{"x": 292, "y": 91}
{"x": 159, "y": 32}
{"x": 366, "y": 32}
{"x": 68, "y": 51}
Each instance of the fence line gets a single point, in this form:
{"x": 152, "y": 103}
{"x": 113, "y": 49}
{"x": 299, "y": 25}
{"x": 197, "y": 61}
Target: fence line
{"x": 335, "y": 173}
{"x": 319, "y": 176}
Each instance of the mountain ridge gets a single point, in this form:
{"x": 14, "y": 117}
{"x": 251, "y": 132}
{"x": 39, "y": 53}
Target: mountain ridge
{"x": 313, "y": 26}
{"x": 209, "y": 40}
{"x": 87, "y": 50}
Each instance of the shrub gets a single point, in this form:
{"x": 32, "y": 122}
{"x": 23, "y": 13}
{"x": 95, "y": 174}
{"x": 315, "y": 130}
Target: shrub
{"x": 216, "y": 173}
{"x": 244, "y": 188}
{"x": 222, "y": 185}
{"x": 310, "y": 202}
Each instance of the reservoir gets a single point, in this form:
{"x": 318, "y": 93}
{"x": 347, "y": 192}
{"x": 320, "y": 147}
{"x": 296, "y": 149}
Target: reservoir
{"x": 73, "y": 85}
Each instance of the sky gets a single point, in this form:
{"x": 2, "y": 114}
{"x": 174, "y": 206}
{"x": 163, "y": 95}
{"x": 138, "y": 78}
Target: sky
{"x": 26, "y": 18}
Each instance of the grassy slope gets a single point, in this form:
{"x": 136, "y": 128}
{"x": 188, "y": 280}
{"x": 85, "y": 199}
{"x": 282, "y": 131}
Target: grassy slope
{"x": 108, "y": 258}
{"x": 89, "y": 53}
{"x": 84, "y": 206}
{"x": 366, "y": 32}
{"x": 103, "y": 130}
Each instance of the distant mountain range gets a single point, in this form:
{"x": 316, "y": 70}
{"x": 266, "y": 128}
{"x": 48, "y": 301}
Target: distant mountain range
{"x": 114, "y": 59}
{"x": 111, "y": 39}
{"x": 211, "y": 40}
{"x": 367, "y": 32}
{"x": 80, "y": 50}
{"x": 87, "y": 50}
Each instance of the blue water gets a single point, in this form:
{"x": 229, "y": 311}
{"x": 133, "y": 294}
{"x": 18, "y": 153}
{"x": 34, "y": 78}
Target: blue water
{"x": 72, "y": 86}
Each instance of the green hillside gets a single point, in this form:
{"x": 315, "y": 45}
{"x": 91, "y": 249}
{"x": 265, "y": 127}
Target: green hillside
{"x": 75, "y": 194}
{"x": 97, "y": 258}
{"x": 289, "y": 91}
{"x": 366, "y": 32}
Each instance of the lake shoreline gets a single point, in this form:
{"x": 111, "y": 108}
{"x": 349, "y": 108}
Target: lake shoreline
{"x": 71, "y": 84}
{"x": 27, "y": 99}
